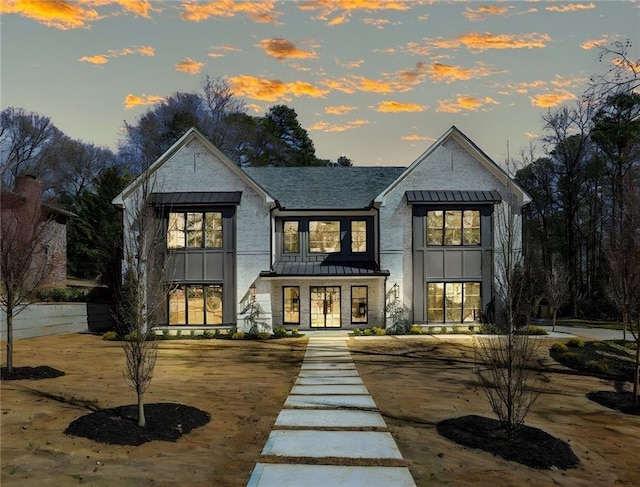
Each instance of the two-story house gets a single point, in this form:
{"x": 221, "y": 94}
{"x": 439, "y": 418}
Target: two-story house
{"x": 328, "y": 247}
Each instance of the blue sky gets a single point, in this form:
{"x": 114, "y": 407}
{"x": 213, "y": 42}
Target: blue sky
{"x": 376, "y": 80}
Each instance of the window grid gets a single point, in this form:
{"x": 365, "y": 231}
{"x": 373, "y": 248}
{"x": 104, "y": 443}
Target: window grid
{"x": 453, "y": 302}
{"x": 359, "y": 304}
{"x": 194, "y": 230}
{"x": 291, "y": 305}
{"x": 453, "y": 227}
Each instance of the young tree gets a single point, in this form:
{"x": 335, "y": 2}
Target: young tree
{"x": 503, "y": 359}
{"x": 624, "y": 261}
{"x": 26, "y": 235}
{"x": 140, "y": 299}
{"x": 556, "y": 290}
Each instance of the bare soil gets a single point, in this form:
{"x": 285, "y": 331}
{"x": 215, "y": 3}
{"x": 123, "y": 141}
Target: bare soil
{"x": 417, "y": 383}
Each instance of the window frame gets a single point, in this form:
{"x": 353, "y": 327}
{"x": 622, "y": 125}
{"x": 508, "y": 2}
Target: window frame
{"x": 204, "y": 237}
{"x": 337, "y": 250}
{"x": 465, "y": 310}
{"x": 204, "y": 288}
{"x": 365, "y": 320}
{"x": 284, "y": 237}
{"x": 443, "y": 229}
{"x": 284, "y": 307}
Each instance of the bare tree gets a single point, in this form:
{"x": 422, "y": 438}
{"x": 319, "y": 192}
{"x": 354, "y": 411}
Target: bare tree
{"x": 141, "y": 298}
{"x": 27, "y": 232}
{"x": 557, "y": 291}
{"x": 503, "y": 359}
{"x": 624, "y": 261}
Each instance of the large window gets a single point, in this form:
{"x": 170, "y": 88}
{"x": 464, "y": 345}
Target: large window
{"x": 453, "y": 302}
{"x": 291, "y": 304}
{"x": 195, "y": 230}
{"x": 290, "y": 240}
{"x": 358, "y": 236}
{"x": 453, "y": 227}
{"x": 196, "y": 305}
{"x": 324, "y": 236}
{"x": 359, "y": 304}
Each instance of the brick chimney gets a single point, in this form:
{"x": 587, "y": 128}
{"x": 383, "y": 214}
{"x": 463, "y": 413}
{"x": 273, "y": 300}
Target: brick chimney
{"x": 29, "y": 188}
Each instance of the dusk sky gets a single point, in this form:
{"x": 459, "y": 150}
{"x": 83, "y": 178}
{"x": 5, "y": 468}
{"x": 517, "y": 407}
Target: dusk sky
{"x": 375, "y": 80}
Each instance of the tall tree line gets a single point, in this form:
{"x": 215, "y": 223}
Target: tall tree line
{"x": 577, "y": 217}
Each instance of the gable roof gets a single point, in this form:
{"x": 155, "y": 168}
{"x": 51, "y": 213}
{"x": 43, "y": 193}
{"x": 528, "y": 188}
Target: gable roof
{"x": 472, "y": 149}
{"x": 191, "y": 134}
{"x": 324, "y": 188}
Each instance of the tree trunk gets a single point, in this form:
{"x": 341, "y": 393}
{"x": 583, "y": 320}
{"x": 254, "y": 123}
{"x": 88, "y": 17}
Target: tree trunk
{"x": 9, "y": 339}
{"x": 553, "y": 318}
{"x": 142, "y": 421}
{"x": 636, "y": 375}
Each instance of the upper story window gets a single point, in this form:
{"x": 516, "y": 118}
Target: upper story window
{"x": 195, "y": 230}
{"x": 324, "y": 236}
{"x": 453, "y": 227}
{"x": 358, "y": 236}
{"x": 291, "y": 239}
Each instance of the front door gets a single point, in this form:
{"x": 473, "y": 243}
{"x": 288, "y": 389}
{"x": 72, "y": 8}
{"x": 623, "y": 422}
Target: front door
{"x": 325, "y": 307}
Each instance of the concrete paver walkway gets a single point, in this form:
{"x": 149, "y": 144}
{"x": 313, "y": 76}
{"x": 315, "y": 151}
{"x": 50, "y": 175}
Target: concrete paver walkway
{"x": 330, "y": 415}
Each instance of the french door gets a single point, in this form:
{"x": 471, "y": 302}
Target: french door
{"x": 325, "y": 307}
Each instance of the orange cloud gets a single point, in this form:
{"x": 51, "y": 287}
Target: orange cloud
{"x": 593, "y": 43}
{"x": 463, "y": 102}
{"x": 272, "y": 90}
{"x": 63, "y": 15}
{"x": 482, "y": 11}
{"x": 339, "y": 110}
{"x": 329, "y": 127}
{"x": 552, "y": 99}
{"x": 531, "y": 135}
{"x": 342, "y": 9}
{"x": 570, "y": 7}
{"x": 258, "y": 11}
{"x": 219, "y": 51}
{"x": 377, "y": 23}
{"x": 449, "y": 73}
{"x": 284, "y": 49}
{"x": 350, "y": 64}
{"x": 190, "y": 66}
{"x": 111, "y": 54}
{"x": 97, "y": 59}
{"x": 67, "y": 14}
{"x": 132, "y": 101}
{"x": 396, "y": 106}
{"x": 415, "y": 138}
{"x": 478, "y": 42}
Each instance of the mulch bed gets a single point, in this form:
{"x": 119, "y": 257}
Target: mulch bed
{"x": 620, "y": 401}
{"x": 533, "y": 447}
{"x": 30, "y": 373}
{"x": 119, "y": 426}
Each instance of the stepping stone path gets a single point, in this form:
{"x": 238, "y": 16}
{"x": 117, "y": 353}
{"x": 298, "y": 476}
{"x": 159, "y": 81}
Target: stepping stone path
{"x": 330, "y": 432}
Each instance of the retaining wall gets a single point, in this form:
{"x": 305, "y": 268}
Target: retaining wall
{"x": 41, "y": 319}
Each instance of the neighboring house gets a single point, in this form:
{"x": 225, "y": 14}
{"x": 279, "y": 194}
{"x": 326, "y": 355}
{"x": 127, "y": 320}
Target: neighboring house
{"x": 22, "y": 210}
{"x": 328, "y": 247}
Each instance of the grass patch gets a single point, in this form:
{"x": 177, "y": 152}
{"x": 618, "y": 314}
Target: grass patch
{"x": 613, "y": 359}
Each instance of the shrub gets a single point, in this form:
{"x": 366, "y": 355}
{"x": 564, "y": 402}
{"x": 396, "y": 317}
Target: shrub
{"x": 559, "y": 348}
{"x": 431, "y": 330}
{"x": 280, "y": 332}
{"x": 357, "y": 332}
{"x": 378, "y": 331}
{"x": 415, "y": 330}
{"x": 264, "y": 335}
{"x": 575, "y": 343}
{"x": 455, "y": 329}
{"x": 443, "y": 329}
{"x": 536, "y": 330}
{"x": 571, "y": 358}
{"x": 597, "y": 366}
{"x": 178, "y": 333}
{"x": 472, "y": 329}
{"x": 295, "y": 333}
{"x": 193, "y": 333}
{"x": 208, "y": 334}
{"x": 110, "y": 336}
{"x": 166, "y": 334}
{"x": 238, "y": 335}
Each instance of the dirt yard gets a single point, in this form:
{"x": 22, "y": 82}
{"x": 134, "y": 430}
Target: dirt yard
{"x": 415, "y": 382}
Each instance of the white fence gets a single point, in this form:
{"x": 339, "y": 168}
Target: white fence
{"x": 41, "y": 319}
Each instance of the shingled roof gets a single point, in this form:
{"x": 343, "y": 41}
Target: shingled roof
{"x": 324, "y": 188}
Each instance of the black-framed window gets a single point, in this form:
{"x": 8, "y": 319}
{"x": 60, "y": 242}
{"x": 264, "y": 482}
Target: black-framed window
{"x": 358, "y": 236}
{"x": 291, "y": 305}
{"x": 453, "y": 302}
{"x": 290, "y": 236}
{"x": 359, "y": 304}
{"x": 324, "y": 236}
{"x": 453, "y": 227}
{"x": 194, "y": 230}
{"x": 196, "y": 305}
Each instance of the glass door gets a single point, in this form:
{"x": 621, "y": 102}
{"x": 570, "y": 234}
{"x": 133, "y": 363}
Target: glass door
{"x": 325, "y": 307}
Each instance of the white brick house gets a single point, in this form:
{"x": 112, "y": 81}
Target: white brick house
{"x": 328, "y": 247}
